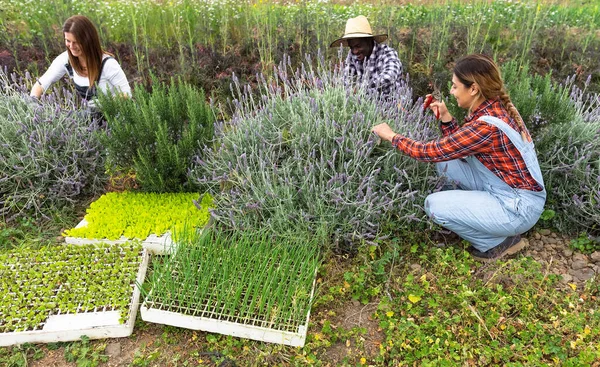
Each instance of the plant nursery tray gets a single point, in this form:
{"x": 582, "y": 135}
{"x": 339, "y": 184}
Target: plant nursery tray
{"x": 158, "y": 245}
{"x": 226, "y": 324}
{"x": 100, "y": 323}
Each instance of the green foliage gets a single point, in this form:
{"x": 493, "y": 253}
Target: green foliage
{"x": 65, "y": 279}
{"x": 547, "y": 214}
{"x": 539, "y": 100}
{"x": 11, "y": 236}
{"x": 84, "y": 354}
{"x": 157, "y": 134}
{"x": 170, "y": 38}
{"x": 137, "y": 215}
{"x": 305, "y": 156}
{"x": 450, "y": 311}
{"x": 141, "y": 359}
{"x": 565, "y": 124}
{"x": 18, "y": 356}
{"x": 50, "y": 155}
{"x": 251, "y": 278}
{"x": 585, "y": 243}
{"x": 366, "y": 282}
{"x": 569, "y": 156}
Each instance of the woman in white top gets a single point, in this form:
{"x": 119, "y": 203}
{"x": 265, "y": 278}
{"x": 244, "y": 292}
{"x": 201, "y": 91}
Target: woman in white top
{"x": 87, "y": 64}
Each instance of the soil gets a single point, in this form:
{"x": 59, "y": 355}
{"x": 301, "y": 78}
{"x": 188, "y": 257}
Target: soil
{"x": 550, "y": 249}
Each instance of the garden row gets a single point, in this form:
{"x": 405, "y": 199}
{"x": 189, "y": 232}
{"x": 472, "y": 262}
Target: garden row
{"x": 300, "y": 153}
{"x": 247, "y": 284}
{"x": 213, "y": 39}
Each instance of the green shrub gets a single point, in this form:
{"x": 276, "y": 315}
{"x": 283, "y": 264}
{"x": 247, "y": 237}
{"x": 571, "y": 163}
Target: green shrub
{"x": 304, "y": 156}
{"x": 569, "y": 155}
{"x": 565, "y": 124}
{"x": 156, "y": 134}
{"x": 50, "y": 155}
{"x": 539, "y": 100}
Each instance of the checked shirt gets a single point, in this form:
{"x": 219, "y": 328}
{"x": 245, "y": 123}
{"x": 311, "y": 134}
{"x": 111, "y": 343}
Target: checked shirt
{"x": 484, "y": 141}
{"x": 382, "y": 68}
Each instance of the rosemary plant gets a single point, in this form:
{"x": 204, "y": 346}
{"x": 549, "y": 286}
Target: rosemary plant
{"x": 156, "y": 134}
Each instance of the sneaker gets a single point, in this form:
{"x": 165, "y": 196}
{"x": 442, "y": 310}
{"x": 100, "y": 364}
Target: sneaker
{"x": 509, "y": 246}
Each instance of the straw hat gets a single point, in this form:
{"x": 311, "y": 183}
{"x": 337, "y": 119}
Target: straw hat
{"x": 358, "y": 27}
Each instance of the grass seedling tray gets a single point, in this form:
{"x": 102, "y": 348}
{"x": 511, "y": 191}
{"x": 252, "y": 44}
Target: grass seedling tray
{"x": 244, "y": 285}
{"x": 60, "y": 293}
{"x": 149, "y": 217}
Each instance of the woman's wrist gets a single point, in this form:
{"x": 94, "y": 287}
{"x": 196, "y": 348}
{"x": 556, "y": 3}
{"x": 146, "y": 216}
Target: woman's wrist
{"x": 446, "y": 118}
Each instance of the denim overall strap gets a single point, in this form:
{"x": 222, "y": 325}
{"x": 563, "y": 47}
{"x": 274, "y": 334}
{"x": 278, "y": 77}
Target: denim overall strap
{"x": 527, "y": 149}
{"x": 85, "y": 92}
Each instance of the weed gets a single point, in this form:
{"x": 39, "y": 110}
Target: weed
{"x": 585, "y": 243}
{"x": 85, "y": 354}
{"x": 19, "y": 356}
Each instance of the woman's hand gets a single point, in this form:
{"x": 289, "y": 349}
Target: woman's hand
{"x": 438, "y": 107}
{"x": 384, "y": 131}
{"x": 36, "y": 90}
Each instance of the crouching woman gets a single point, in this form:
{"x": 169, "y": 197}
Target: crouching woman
{"x": 490, "y": 161}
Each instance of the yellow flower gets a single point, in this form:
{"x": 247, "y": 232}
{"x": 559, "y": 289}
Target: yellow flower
{"x": 413, "y": 298}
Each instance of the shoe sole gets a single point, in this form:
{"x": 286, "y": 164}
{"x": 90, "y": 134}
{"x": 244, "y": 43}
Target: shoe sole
{"x": 509, "y": 251}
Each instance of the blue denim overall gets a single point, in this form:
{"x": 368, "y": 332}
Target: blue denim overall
{"x": 485, "y": 210}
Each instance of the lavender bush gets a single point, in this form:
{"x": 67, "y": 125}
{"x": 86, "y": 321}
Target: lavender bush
{"x": 303, "y": 155}
{"x": 569, "y": 154}
{"x": 49, "y": 151}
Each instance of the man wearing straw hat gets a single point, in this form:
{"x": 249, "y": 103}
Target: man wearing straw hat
{"x": 369, "y": 58}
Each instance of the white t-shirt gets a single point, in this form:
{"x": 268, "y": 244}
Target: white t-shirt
{"x": 112, "y": 78}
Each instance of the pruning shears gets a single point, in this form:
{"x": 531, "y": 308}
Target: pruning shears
{"x": 436, "y": 95}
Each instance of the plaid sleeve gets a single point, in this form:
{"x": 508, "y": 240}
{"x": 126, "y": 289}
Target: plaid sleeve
{"x": 449, "y": 128}
{"x": 466, "y": 141}
{"x": 349, "y": 70}
{"x": 391, "y": 70}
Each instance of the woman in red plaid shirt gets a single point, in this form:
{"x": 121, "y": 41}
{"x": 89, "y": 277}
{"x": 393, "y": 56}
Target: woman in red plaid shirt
{"x": 490, "y": 161}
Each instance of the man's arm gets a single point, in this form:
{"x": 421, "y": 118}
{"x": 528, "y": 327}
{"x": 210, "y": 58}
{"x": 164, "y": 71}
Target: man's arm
{"x": 391, "y": 70}
{"x": 349, "y": 71}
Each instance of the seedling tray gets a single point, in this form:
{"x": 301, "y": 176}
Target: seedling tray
{"x": 245, "y": 285}
{"x": 158, "y": 245}
{"x": 213, "y": 319}
{"x": 61, "y": 300}
{"x": 148, "y": 217}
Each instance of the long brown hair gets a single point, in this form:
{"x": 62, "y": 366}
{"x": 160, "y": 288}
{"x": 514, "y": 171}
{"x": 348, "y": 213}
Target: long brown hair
{"x": 86, "y": 35}
{"x": 482, "y": 70}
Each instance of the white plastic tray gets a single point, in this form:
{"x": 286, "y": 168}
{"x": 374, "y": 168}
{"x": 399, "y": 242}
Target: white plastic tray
{"x": 95, "y": 325}
{"x": 220, "y": 326}
{"x": 158, "y": 245}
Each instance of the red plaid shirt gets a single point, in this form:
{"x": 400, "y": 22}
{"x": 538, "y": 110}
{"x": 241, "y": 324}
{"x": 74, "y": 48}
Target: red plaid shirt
{"x": 484, "y": 141}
